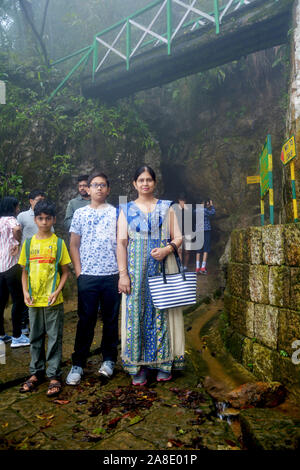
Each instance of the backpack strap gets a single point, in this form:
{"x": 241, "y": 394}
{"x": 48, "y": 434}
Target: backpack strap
{"x": 27, "y": 266}
{"x": 58, "y": 256}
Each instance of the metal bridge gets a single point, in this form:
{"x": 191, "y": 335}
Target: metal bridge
{"x": 170, "y": 39}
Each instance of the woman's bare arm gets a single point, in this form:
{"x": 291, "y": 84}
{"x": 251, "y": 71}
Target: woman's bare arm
{"x": 122, "y": 242}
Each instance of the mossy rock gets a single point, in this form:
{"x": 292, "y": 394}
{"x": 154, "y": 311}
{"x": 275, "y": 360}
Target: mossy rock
{"x": 265, "y": 429}
{"x": 292, "y": 244}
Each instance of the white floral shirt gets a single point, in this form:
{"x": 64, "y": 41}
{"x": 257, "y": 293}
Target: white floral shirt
{"x": 98, "y": 245}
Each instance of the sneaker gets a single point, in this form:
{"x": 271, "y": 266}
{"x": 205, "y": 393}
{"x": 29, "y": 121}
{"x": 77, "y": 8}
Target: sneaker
{"x": 74, "y": 375}
{"x": 107, "y": 368}
{"x": 140, "y": 378}
{"x": 203, "y": 271}
{"x": 25, "y": 331}
{"x": 197, "y": 270}
{"x": 19, "y": 342}
{"x": 6, "y": 338}
{"x": 163, "y": 376}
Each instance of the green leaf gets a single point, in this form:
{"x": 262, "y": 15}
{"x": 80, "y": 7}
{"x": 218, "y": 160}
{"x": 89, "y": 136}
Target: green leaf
{"x": 99, "y": 431}
{"x": 135, "y": 420}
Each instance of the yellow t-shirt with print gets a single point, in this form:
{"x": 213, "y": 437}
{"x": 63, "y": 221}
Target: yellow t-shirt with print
{"x": 42, "y": 268}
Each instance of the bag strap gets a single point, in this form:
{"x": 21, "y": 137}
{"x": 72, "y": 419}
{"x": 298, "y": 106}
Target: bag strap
{"x": 58, "y": 255}
{"x": 178, "y": 261}
{"x": 177, "y": 258}
{"x": 27, "y": 266}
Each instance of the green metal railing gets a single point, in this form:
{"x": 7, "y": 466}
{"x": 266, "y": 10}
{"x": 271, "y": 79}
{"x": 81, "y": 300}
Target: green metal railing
{"x": 220, "y": 8}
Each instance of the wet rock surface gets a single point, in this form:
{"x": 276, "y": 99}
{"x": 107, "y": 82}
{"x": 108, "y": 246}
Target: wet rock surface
{"x": 265, "y": 429}
{"x": 101, "y": 414}
{"x": 106, "y": 414}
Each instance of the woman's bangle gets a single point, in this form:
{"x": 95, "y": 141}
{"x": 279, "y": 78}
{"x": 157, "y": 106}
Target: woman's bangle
{"x": 123, "y": 270}
{"x": 170, "y": 248}
{"x": 174, "y": 247}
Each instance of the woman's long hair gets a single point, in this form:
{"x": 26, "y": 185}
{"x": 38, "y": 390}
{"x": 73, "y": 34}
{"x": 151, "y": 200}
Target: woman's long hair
{"x": 8, "y": 206}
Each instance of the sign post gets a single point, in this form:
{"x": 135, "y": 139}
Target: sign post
{"x": 288, "y": 153}
{"x": 266, "y": 179}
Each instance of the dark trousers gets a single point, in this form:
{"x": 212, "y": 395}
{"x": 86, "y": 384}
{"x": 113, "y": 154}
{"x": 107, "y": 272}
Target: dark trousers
{"x": 46, "y": 321}
{"x": 91, "y": 291}
{"x": 10, "y": 283}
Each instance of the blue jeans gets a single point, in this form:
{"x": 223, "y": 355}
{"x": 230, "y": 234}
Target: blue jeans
{"x": 91, "y": 291}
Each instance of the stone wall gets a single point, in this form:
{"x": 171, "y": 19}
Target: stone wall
{"x": 262, "y": 301}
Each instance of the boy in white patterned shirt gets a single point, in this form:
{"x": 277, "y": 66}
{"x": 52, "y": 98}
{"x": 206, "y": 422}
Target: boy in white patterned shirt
{"x": 93, "y": 251}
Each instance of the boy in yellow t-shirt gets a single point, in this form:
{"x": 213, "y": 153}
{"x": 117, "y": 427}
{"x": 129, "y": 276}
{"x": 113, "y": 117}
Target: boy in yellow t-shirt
{"x": 44, "y": 299}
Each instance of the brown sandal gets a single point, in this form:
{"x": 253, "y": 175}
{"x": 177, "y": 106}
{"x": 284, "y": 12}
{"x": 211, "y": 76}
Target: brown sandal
{"x": 54, "y": 385}
{"x": 31, "y": 384}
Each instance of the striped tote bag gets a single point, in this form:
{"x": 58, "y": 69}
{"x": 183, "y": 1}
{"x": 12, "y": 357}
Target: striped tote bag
{"x": 173, "y": 290}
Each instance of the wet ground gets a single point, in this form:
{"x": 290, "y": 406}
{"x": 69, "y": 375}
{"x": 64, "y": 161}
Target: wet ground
{"x": 111, "y": 414}
{"x": 102, "y": 414}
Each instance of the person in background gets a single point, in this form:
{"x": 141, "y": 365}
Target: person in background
{"x": 186, "y": 228}
{"x": 29, "y": 228}
{"x": 26, "y": 218}
{"x": 209, "y": 211}
{"x": 42, "y": 288}
{"x": 10, "y": 273}
{"x": 81, "y": 200}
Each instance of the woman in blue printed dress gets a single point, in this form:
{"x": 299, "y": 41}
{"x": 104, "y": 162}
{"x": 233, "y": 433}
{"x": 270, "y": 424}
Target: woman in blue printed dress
{"x": 151, "y": 338}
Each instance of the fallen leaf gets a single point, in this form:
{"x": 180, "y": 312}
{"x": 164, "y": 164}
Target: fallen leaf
{"x": 175, "y": 442}
{"x": 5, "y": 425}
{"x": 135, "y": 420}
{"x": 61, "y": 402}
{"x": 45, "y": 416}
{"x": 47, "y": 425}
{"x": 113, "y": 423}
{"x": 99, "y": 431}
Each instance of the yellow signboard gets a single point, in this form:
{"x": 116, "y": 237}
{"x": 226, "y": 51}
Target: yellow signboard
{"x": 288, "y": 151}
{"x": 253, "y": 179}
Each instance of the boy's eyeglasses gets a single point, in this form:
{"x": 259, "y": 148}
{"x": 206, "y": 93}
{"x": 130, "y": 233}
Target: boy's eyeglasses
{"x": 98, "y": 185}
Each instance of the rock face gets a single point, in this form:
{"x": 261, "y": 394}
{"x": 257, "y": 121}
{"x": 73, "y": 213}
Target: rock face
{"x": 211, "y": 128}
{"x": 258, "y": 394}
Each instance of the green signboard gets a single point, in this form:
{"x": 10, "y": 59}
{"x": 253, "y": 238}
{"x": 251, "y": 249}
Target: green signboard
{"x": 264, "y": 167}
{"x": 266, "y": 178}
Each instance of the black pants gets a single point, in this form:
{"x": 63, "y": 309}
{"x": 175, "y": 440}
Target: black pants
{"x": 10, "y": 283}
{"x": 91, "y": 291}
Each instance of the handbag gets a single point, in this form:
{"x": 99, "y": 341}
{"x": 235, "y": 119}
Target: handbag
{"x": 173, "y": 290}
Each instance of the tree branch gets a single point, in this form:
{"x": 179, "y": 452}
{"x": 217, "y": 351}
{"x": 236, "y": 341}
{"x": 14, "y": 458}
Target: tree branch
{"x": 30, "y": 21}
{"x": 44, "y": 18}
